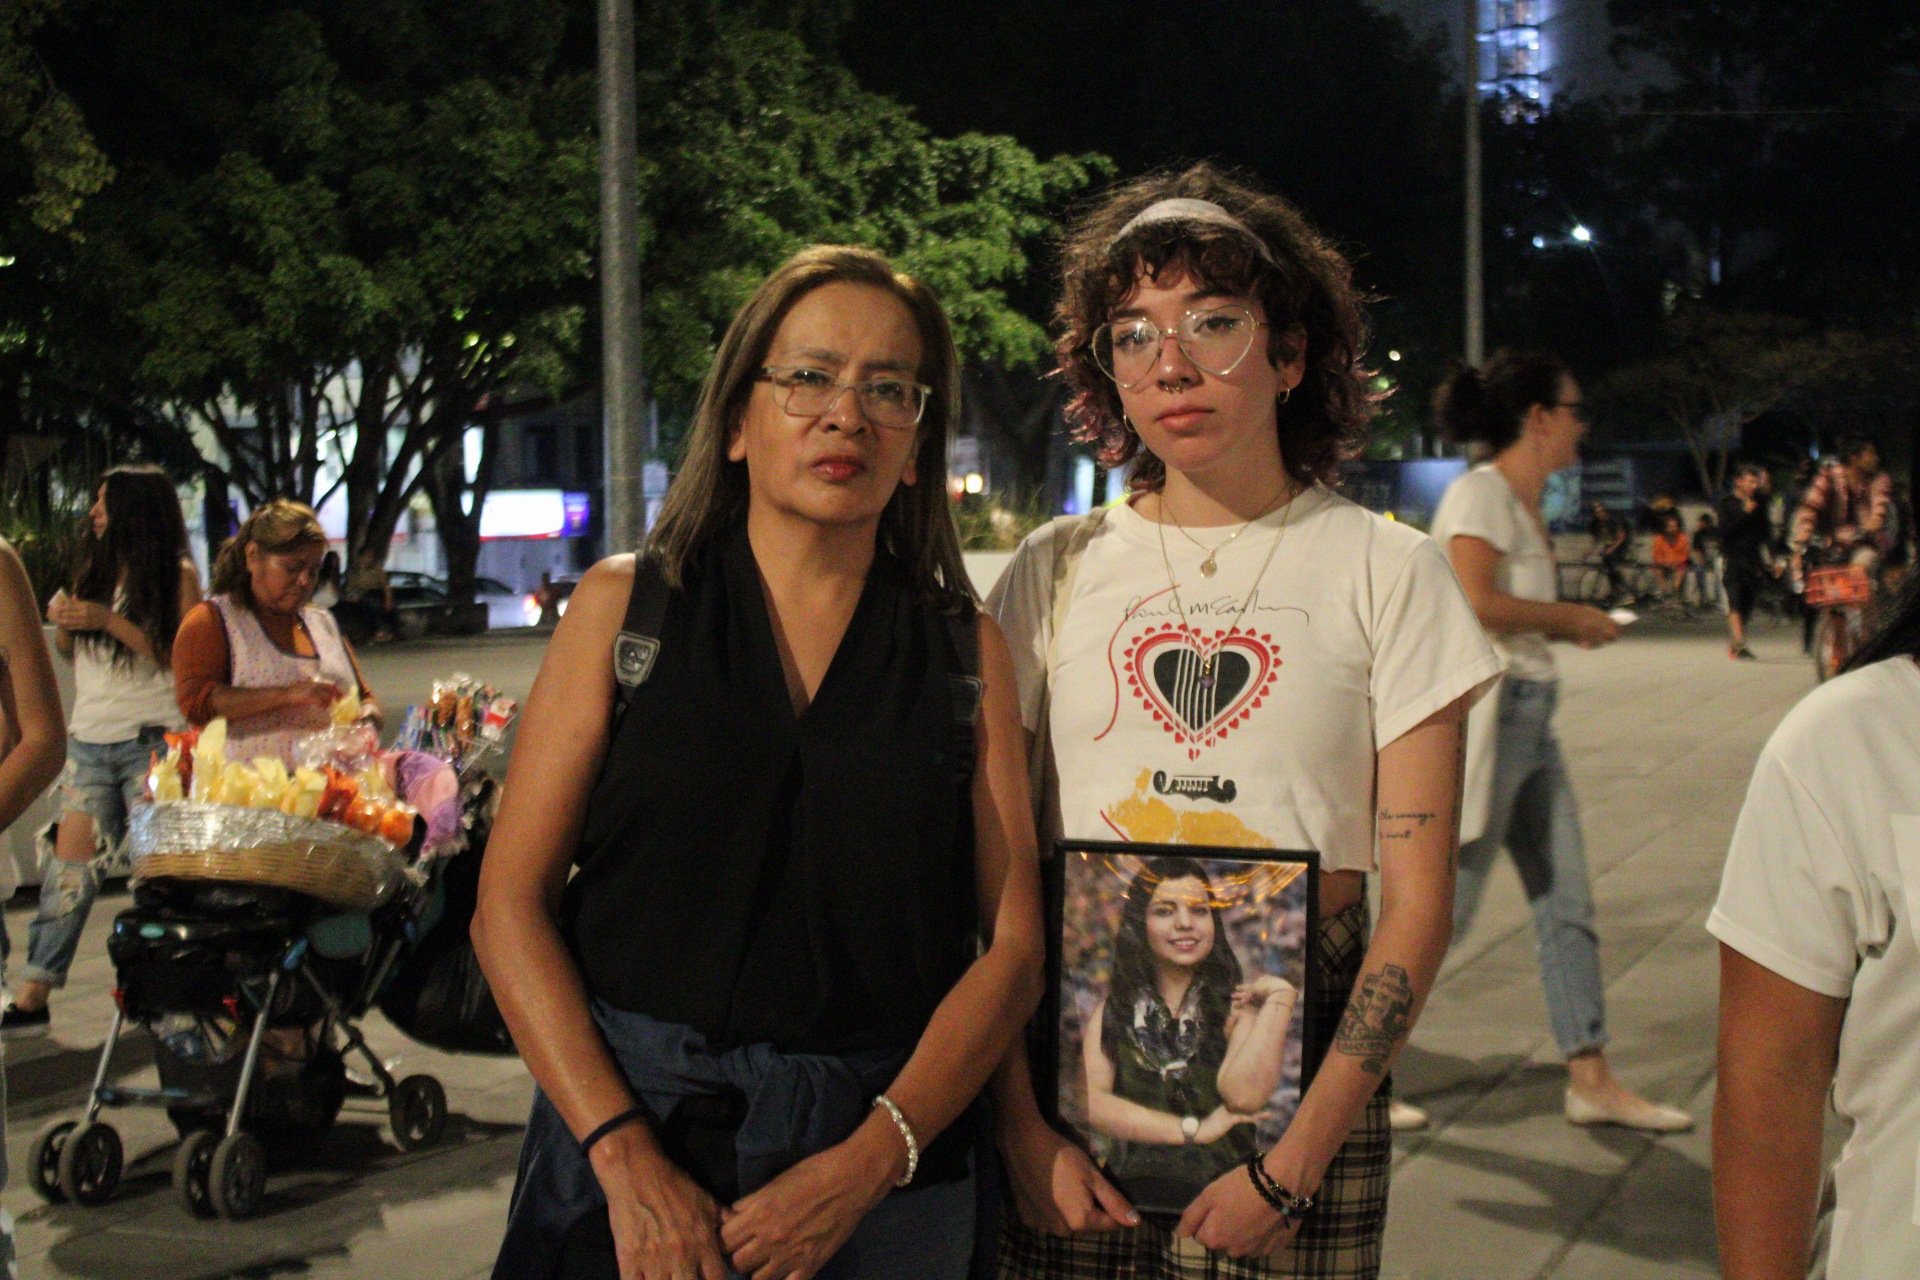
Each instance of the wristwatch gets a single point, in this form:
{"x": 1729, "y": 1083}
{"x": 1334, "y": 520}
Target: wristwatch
{"x": 1189, "y": 1130}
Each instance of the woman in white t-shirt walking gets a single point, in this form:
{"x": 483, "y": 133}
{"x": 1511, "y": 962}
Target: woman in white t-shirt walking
{"x": 1238, "y": 656}
{"x": 1525, "y": 410}
{"x": 116, "y": 621}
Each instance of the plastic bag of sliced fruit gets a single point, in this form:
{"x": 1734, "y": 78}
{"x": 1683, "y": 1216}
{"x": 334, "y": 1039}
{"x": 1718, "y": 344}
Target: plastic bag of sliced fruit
{"x": 338, "y": 822}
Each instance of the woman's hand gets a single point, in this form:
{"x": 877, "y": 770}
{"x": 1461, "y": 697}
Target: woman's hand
{"x": 790, "y": 1228}
{"x": 315, "y": 692}
{"x": 1057, "y": 1189}
{"x": 65, "y": 612}
{"x": 664, "y": 1226}
{"x": 1254, "y": 995}
{"x": 1231, "y": 1218}
{"x": 1222, "y": 1121}
{"x": 1590, "y": 627}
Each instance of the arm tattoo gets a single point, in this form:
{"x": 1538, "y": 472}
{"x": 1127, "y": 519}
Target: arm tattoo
{"x": 1377, "y": 1019}
{"x": 1415, "y": 821}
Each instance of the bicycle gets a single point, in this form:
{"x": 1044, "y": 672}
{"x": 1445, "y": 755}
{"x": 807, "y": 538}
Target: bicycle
{"x": 1840, "y": 593}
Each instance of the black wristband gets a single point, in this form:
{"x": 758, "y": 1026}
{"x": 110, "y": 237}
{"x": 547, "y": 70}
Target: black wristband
{"x": 1282, "y": 1201}
{"x": 626, "y": 1117}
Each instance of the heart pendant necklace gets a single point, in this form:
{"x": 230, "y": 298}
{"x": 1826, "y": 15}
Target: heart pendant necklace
{"x": 1211, "y": 565}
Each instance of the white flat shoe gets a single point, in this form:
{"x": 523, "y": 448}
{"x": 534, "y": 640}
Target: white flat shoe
{"x": 1402, "y": 1116}
{"x": 1638, "y": 1114}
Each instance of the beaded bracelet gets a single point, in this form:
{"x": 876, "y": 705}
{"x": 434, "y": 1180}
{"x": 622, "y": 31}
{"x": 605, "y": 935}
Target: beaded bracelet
{"x": 906, "y": 1133}
{"x": 1283, "y": 1202}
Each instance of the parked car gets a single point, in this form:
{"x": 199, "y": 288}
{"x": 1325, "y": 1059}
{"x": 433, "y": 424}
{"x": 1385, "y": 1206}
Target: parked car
{"x": 505, "y": 606}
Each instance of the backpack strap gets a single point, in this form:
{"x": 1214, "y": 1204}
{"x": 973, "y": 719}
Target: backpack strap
{"x": 1071, "y": 534}
{"x": 638, "y": 643}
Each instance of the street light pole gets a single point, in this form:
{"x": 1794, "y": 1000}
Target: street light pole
{"x": 1476, "y": 345}
{"x": 622, "y": 383}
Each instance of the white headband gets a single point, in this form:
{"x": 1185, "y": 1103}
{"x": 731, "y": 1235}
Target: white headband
{"x": 1184, "y": 209}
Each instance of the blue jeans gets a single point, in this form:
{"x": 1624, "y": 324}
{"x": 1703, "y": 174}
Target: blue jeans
{"x": 1533, "y": 814}
{"x": 103, "y": 781}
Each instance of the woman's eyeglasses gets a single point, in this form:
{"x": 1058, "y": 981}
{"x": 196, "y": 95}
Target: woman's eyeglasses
{"x": 897, "y": 403}
{"x": 1216, "y": 340}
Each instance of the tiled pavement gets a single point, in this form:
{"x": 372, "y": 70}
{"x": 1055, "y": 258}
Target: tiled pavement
{"x": 1661, "y": 730}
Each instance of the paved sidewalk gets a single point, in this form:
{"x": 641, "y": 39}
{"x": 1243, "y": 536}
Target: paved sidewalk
{"x": 1662, "y": 731}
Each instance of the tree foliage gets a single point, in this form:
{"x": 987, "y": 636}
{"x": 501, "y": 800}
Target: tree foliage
{"x": 347, "y": 232}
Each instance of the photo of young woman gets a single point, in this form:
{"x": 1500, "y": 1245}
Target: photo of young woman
{"x": 1186, "y": 1051}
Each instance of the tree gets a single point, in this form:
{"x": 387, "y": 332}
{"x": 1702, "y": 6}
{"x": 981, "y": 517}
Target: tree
{"x": 1722, "y": 370}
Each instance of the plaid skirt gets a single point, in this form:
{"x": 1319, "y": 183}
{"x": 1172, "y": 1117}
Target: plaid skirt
{"x": 1340, "y": 1239}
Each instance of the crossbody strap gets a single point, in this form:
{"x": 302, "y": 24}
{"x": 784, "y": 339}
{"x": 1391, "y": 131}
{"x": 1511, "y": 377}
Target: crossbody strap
{"x": 638, "y": 643}
{"x": 1071, "y": 534}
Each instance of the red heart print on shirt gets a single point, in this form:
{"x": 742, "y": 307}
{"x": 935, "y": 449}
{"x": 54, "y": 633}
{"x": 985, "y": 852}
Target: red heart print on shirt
{"x": 1197, "y": 706}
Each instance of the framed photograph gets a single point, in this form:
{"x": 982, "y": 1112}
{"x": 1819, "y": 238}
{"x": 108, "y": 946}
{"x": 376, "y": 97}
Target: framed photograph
{"x": 1176, "y": 1007}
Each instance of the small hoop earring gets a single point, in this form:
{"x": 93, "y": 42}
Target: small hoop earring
{"x": 1286, "y": 394}
{"x": 1128, "y": 424}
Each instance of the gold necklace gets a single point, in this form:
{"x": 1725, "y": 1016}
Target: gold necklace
{"x": 1206, "y": 679}
{"x": 1211, "y": 564}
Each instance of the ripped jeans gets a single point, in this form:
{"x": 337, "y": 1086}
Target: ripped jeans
{"x": 103, "y": 780}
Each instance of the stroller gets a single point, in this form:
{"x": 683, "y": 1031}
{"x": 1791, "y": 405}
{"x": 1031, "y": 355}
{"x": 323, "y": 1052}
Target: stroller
{"x": 252, "y": 996}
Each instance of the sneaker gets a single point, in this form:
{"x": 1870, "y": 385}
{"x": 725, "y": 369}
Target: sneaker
{"x": 1745, "y": 654}
{"x": 24, "y": 1024}
{"x": 1403, "y": 1116}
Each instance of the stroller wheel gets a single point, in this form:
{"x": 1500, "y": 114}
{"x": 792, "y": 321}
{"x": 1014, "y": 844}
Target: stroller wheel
{"x": 192, "y": 1172}
{"x": 418, "y": 1112}
{"x": 89, "y": 1164}
{"x": 236, "y": 1176}
{"x": 43, "y": 1161}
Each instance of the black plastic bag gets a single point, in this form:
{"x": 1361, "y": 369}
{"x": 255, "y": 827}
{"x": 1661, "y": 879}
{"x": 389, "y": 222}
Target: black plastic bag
{"x": 438, "y": 994}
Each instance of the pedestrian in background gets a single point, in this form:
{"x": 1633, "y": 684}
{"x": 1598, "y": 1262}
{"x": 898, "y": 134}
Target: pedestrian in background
{"x": 1746, "y": 540}
{"x": 1672, "y": 556}
{"x": 257, "y": 651}
{"x": 1526, "y": 411}
{"x": 326, "y": 591}
{"x": 760, "y": 1009}
{"x": 115, "y": 621}
{"x": 1706, "y": 561}
{"x": 1820, "y": 980}
{"x": 33, "y": 738}
{"x": 1213, "y": 341}
{"x": 1613, "y": 543}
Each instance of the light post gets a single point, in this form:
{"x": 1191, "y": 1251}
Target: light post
{"x": 1476, "y": 332}
{"x": 622, "y": 382}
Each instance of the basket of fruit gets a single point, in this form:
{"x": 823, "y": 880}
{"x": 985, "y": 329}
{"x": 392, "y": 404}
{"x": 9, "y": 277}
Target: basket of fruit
{"x": 324, "y": 832}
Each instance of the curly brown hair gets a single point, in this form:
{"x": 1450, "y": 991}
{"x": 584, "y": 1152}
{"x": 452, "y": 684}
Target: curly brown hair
{"x": 1302, "y": 281}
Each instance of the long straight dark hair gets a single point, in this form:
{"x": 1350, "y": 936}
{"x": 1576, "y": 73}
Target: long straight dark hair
{"x": 1214, "y": 978}
{"x": 134, "y": 568}
{"x": 710, "y": 492}
{"x": 1899, "y": 635}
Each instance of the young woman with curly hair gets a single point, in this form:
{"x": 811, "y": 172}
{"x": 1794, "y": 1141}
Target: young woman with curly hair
{"x": 1238, "y": 620}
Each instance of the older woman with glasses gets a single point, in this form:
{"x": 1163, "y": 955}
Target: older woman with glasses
{"x": 758, "y": 1010}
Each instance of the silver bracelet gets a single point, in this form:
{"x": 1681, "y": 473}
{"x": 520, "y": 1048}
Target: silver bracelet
{"x": 906, "y": 1134}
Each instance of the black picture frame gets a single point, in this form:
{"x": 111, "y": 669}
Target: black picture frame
{"x": 1267, "y": 903}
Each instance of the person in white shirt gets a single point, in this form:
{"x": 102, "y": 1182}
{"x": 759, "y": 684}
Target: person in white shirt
{"x": 1525, "y": 411}
{"x": 32, "y": 745}
{"x": 116, "y": 621}
{"x": 1820, "y": 980}
{"x": 1239, "y": 656}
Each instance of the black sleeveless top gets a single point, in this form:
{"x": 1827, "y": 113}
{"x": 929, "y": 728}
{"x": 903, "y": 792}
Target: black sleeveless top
{"x": 802, "y": 881}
